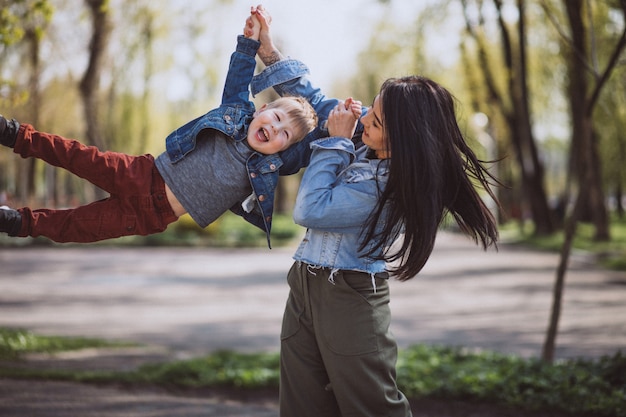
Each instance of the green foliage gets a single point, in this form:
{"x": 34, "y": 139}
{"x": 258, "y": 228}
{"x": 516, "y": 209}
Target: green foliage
{"x": 576, "y": 386}
{"x": 223, "y": 368}
{"x": 14, "y": 343}
{"x": 10, "y": 31}
{"x": 19, "y": 17}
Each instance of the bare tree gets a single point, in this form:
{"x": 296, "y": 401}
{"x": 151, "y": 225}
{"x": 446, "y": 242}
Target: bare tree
{"x": 590, "y": 190}
{"x": 515, "y": 109}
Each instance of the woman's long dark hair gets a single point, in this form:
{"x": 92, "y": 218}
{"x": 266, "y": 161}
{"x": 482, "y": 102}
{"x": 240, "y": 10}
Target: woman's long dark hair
{"x": 430, "y": 173}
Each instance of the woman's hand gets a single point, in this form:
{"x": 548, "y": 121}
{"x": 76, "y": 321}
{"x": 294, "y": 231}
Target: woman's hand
{"x": 268, "y": 52}
{"x": 342, "y": 119}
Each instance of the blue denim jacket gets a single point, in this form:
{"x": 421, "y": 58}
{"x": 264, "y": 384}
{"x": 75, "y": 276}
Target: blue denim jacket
{"x": 233, "y": 118}
{"x": 338, "y": 192}
{"x": 340, "y": 187}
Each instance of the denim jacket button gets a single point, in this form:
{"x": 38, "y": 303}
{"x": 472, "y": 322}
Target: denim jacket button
{"x": 268, "y": 219}
{"x": 227, "y": 118}
{"x": 273, "y": 167}
{"x": 253, "y": 175}
{"x": 261, "y": 197}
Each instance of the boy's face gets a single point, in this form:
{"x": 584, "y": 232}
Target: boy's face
{"x": 270, "y": 131}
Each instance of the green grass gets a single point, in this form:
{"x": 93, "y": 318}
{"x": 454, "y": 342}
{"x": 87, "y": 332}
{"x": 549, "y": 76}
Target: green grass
{"x": 575, "y": 386}
{"x": 15, "y": 343}
{"x": 580, "y": 387}
{"x": 611, "y": 254}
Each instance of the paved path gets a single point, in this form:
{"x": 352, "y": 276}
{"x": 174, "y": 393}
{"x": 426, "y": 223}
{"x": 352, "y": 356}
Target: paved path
{"x": 185, "y": 302}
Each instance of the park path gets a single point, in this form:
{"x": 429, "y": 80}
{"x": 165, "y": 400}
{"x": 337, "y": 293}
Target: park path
{"x": 184, "y": 302}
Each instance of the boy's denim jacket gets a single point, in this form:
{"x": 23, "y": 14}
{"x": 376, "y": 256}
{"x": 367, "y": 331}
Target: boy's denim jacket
{"x": 233, "y": 118}
{"x": 340, "y": 188}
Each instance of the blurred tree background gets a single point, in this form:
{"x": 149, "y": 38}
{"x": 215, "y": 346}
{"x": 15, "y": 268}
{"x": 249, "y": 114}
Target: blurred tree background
{"x": 540, "y": 85}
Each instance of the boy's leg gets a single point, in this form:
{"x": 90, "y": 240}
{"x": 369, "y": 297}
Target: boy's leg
{"x": 141, "y": 210}
{"x": 303, "y": 380}
{"x": 137, "y": 206}
{"x": 110, "y": 171}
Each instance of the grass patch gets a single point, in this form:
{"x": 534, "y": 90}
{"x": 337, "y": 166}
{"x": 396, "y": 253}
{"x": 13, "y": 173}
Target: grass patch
{"x": 574, "y": 386}
{"x": 579, "y": 387}
{"x": 221, "y": 369}
{"x": 15, "y": 343}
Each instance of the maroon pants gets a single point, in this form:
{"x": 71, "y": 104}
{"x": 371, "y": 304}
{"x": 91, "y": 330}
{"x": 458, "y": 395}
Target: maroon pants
{"x": 137, "y": 204}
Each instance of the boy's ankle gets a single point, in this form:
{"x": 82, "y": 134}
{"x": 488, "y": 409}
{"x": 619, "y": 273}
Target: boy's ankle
{"x": 8, "y": 131}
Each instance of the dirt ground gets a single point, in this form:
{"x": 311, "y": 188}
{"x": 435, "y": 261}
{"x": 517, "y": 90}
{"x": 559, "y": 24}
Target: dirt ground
{"x": 185, "y": 302}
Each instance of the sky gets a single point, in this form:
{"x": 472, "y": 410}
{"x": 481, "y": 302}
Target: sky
{"x": 327, "y": 35}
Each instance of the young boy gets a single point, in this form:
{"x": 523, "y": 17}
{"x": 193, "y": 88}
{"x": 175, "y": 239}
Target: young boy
{"x": 226, "y": 159}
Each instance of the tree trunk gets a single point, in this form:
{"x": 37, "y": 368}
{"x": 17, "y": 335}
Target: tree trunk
{"x": 619, "y": 195}
{"x": 91, "y": 78}
{"x": 30, "y": 165}
{"x": 584, "y": 159}
{"x": 528, "y": 156}
{"x": 571, "y": 225}
{"x": 90, "y": 81}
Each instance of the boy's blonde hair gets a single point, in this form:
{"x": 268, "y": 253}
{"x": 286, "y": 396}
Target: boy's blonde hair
{"x": 300, "y": 112}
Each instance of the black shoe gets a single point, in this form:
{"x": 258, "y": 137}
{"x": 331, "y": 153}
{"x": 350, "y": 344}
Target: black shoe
{"x": 8, "y": 131}
{"x": 10, "y": 221}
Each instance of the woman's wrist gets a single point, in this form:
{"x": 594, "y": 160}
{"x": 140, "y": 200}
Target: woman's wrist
{"x": 269, "y": 54}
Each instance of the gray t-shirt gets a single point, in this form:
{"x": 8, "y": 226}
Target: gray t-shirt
{"x": 210, "y": 179}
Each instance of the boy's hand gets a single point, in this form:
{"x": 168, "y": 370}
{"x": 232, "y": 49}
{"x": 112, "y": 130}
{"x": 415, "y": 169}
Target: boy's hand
{"x": 355, "y": 106}
{"x": 265, "y": 20}
{"x": 342, "y": 119}
{"x": 252, "y": 29}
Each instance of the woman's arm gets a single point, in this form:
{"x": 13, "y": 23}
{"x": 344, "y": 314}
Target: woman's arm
{"x": 277, "y": 69}
{"x": 335, "y": 194}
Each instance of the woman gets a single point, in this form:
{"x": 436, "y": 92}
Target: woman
{"x": 370, "y": 211}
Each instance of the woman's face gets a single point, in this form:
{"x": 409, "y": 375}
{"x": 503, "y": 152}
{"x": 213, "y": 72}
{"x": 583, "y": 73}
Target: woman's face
{"x": 373, "y": 135}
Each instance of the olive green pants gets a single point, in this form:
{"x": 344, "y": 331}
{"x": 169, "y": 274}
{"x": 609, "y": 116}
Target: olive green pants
{"x": 338, "y": 357}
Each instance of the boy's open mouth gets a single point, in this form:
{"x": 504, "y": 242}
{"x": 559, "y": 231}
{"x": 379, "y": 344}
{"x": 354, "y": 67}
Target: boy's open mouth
{"x": 263, "y": 135}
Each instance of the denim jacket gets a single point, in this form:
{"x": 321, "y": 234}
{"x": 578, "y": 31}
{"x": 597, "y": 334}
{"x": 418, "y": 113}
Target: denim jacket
{"x": 338, "y": 192}
{"x": 233, "y": 118}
